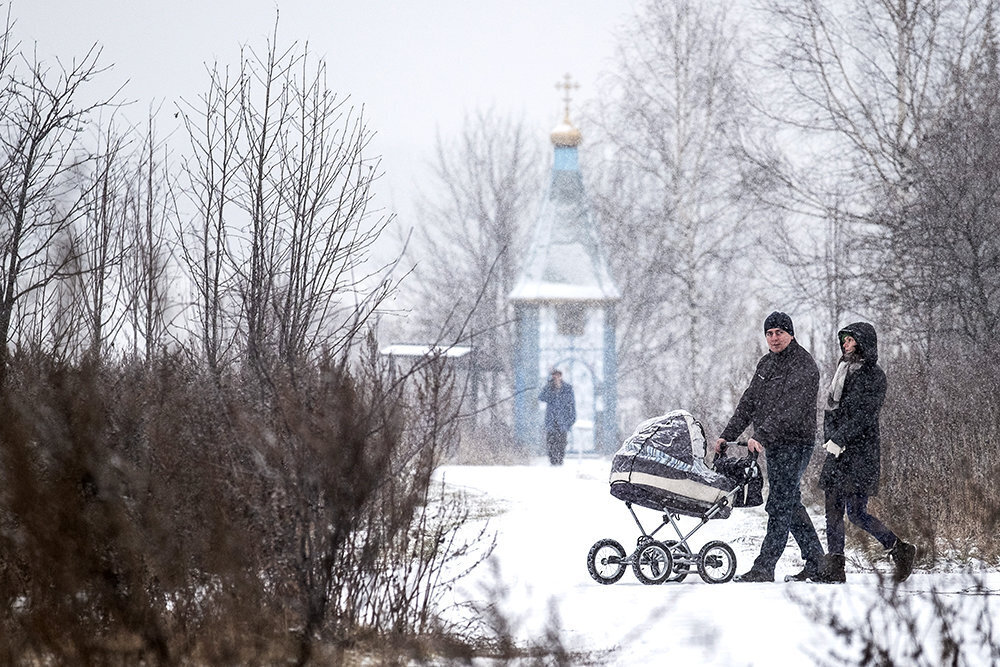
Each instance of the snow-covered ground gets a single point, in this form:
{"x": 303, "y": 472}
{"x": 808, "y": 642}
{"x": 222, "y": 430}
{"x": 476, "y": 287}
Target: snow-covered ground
{"x": 547, "y": 518}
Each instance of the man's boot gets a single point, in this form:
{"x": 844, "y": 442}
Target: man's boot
{"x": 832, "y": 571}
{"x": 903, "y": 555}
{"x": 754, "y": 576}
{"x": 808, "y": 573}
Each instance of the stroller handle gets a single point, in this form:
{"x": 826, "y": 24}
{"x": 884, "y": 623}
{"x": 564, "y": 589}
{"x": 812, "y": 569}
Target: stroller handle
{"x": 727, "y": 444}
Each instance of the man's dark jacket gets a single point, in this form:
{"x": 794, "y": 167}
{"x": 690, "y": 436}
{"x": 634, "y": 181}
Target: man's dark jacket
{"x": 780, "y": 401}
{"x": 854, "y": 423}
{"x": 560, "y": 407}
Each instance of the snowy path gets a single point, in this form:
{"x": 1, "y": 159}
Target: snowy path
{"x": 551, "y": 517}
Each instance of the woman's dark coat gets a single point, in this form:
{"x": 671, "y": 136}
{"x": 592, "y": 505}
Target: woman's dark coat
{"x": 854, "y": 423}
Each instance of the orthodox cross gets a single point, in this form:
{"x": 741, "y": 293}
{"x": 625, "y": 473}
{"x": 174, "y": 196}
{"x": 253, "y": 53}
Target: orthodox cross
{"x": 566, "y": 86}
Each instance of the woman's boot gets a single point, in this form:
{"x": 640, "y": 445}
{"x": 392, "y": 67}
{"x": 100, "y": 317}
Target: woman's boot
{"x": 903, "y": 555}
{"x": 832, "y": 569}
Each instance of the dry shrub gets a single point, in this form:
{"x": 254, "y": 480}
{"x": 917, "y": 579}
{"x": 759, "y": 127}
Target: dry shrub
{"x": 159, "y": 513}
{"x": 940, "y": 474}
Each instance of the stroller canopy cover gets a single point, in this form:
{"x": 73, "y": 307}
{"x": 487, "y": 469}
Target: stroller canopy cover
{"x": 662, "y": 466}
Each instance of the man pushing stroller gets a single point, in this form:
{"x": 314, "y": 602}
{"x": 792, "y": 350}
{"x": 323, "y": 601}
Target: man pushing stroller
{"x": 780, "y": 403}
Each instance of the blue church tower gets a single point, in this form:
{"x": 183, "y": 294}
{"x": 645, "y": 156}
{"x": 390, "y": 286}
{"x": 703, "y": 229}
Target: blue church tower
{"x": 564, "y": 304}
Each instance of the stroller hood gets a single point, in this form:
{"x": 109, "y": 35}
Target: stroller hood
{"x": 662, "y": 466}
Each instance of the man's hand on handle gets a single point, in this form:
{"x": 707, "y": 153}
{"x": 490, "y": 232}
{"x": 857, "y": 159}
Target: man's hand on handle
{"x": 753, "y": 446}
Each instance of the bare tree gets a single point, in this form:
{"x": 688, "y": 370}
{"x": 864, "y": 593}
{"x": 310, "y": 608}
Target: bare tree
{"x": 41, "y": 154}
{"x": 150, "y": 247}
{"x": 942, "y": 267}
{"x": 211, "y": 170}
{"x": 325, "y": 195}
{"x": 98, "y": 286}
{"x": 855, "y": 86}
{"x": 282, "y": 180}
{"x": 264, "y": 113}
{"x": 474, "y": 215}
{"x": 672, "y": 198}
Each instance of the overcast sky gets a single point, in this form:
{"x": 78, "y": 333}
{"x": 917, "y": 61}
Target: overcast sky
{"x": 417, "y": 66}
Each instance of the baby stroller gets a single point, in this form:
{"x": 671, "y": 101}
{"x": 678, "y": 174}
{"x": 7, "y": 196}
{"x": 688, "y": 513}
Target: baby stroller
{"x": 661, "y": 467}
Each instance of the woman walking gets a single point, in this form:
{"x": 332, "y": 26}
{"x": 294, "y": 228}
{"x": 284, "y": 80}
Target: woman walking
{"x": 851, "y": 471}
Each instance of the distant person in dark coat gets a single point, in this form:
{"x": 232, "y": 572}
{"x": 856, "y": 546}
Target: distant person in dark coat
{"x": 851, "y": 471}
{"x": 560, "y": 414}
{"x": 780, "y": 403}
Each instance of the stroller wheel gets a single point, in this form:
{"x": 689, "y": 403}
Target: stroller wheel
{"x": 682, "y": 560}
{"x": 653, "y": 563}
{"x": 716, "y": 562}
{"x": 606, "y": 561}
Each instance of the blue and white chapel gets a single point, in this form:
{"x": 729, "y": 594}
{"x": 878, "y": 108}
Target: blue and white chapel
{"x": 564, "y": 303}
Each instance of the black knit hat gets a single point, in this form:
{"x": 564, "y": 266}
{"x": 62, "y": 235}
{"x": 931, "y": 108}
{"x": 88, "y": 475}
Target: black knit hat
{"x": 779, "y": 320}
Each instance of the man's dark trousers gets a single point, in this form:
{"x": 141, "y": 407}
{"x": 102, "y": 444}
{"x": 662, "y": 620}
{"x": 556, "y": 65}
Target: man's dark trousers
{"x": 785, "y": 512}
{"x": 556, "y": 441}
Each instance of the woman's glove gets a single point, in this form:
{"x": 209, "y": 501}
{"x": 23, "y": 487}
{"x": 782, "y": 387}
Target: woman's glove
{"x": 833, "y": 448}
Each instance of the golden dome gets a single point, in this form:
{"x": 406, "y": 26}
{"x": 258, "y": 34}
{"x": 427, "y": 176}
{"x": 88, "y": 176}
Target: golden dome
{"x": 564, "y": 134}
